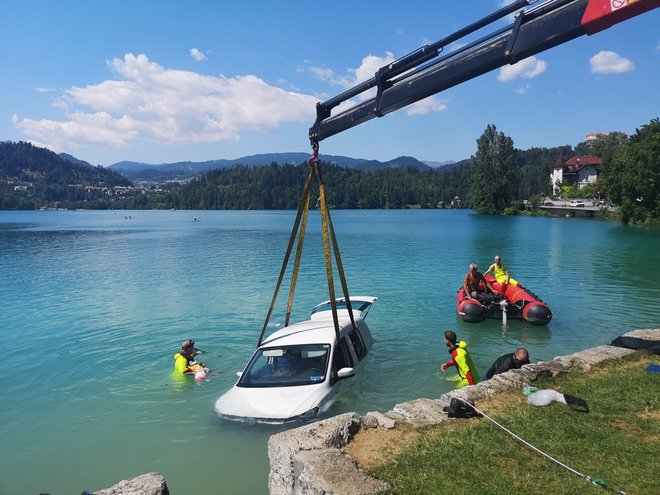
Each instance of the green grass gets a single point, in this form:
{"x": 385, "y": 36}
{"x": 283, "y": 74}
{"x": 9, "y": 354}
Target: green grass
{"x": 617, "y": 441}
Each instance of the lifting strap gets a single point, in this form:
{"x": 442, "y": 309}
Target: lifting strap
{"x": 299, "y": 228}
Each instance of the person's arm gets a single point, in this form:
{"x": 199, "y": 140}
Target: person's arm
{"x": 449, "y": 363}
{"x": 490, "y": 269}
{"x": 486, "y": 285}
{"x": 490, "y": 287}
{"x": 466, "y": 287}
{"x": 491, "y": 371}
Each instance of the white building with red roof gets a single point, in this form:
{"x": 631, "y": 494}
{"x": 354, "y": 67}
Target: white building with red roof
{"x": 581, "y": 170}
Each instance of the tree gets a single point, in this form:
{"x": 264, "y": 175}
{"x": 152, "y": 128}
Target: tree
{"x": 603, "y": 147}
{"x": 633, "y": 175}
{"x": 492, "y": 179}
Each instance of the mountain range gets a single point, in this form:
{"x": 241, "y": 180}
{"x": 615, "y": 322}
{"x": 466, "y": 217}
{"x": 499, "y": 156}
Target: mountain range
{"x": 181, "y": 170}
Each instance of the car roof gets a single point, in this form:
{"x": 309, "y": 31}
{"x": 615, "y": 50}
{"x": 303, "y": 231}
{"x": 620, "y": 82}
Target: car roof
{"x": 308, "y": 332}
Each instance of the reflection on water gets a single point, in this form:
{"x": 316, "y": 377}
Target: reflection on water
{"x": 95, "y": 306}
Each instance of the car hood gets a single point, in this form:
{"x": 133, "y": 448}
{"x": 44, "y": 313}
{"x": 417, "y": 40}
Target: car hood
{"x": 271, "y": 403}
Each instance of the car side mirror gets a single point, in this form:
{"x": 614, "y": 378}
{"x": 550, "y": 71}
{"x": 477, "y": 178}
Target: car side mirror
{"x": 345, "y": 373}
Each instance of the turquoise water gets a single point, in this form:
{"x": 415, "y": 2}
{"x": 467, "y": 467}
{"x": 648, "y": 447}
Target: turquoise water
{"x": 95, "y": 303}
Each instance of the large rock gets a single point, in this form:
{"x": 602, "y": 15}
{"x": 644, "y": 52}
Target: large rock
{"x": 283, "y": 447}
{"x": 640, "y": 339}
{"x": 331, "y": 472}
{"x": 146, "y": 484}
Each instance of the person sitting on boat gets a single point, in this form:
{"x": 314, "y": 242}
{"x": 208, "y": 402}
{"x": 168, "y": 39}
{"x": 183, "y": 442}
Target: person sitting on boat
{"x": 511, "y": 361}
{"x": 460, "y": 358}
{"x": 475, "y": 283}
{"x": 184, "y": 361}
{"x": 501, "y": 273}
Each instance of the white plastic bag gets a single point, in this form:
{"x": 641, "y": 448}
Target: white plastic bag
{"x": 545, "y": 397}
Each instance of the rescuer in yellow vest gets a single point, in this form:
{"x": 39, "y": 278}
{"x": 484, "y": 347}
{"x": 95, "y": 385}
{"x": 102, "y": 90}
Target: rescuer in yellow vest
{"x": 460, "y": 358}
{"x": 501, "y": 273}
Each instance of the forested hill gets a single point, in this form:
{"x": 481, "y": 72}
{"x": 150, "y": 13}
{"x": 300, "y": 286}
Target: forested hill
{"x": 280, "y": 187}
{"x": 32, "y": 177}
{"x": 181, "y": 170}
{"x": 22, "y": 162}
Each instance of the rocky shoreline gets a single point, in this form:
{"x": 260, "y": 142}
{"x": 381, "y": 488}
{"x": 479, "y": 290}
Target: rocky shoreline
{"x": 312, "y": 459}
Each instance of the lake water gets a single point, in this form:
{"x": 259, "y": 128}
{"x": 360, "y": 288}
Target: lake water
{"x": 95, "y": 303}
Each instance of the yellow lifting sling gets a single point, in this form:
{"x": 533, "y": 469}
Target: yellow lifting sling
{"x": 299, "y": 229}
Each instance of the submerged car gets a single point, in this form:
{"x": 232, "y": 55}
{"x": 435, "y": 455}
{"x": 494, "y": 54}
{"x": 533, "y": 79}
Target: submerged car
{"x": 297, "y": 370}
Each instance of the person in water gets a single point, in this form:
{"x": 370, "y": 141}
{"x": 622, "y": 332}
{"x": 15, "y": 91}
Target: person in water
{"x": 184, "y": 361}
{"x": 501, "y": 273}
{"x": 461, "y": 360}
{"x": 475, "y": 283}
{"x": 511, "y": 361}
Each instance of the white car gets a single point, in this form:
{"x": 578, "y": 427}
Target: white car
{"x": 297, "y": 370}
{"x": 575, "y": 203}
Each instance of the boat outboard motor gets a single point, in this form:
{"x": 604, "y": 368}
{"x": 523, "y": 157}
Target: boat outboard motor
{"x": 504, "y": 306}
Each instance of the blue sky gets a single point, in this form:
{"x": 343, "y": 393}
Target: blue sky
{"x": 165, "y": 81}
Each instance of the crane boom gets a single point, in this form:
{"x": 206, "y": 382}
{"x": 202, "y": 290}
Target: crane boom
{"x": 424, "y": 72}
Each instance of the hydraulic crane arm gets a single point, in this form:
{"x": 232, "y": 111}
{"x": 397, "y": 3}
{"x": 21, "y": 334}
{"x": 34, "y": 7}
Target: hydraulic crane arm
{"x": 424, "y": 72}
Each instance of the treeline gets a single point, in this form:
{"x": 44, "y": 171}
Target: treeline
{"x": 32, "y": 177}
{"x": 629, "y": 176}
{"x": 280, "y": 187}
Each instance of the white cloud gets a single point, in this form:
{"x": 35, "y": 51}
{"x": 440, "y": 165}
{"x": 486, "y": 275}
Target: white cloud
{"x": 527, "y": 68}
{"x": 606, "y": 62}
{"x": 197, "y": 55}
{"x": 430, "y": 104}
{"x": 45, "y": 90}
{"x": 367, "y": 69}
{"x": 523, "y": 89}
{"x": 153, "y": 103}
{"x": 369, "y": 66}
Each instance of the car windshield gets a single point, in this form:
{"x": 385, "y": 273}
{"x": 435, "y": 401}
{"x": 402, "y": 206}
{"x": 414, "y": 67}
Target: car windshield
{"x": 287, "y": 366}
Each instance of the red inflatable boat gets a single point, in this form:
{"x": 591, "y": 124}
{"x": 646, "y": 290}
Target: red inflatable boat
{"x": 512, "y": 301}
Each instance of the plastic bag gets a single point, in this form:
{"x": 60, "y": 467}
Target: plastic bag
{"x": 545, "y": 397}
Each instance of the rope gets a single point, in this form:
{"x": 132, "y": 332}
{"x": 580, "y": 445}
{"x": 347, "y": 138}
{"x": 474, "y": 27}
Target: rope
{"x": 598, "y": 482}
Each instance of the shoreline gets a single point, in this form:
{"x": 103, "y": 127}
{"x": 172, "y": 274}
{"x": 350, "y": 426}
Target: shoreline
{"x": 312, "y": 459}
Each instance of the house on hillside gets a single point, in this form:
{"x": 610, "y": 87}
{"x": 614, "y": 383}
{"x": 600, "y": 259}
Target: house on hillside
{"x": 580, "y": 170}
{"x": 593, "y": 136}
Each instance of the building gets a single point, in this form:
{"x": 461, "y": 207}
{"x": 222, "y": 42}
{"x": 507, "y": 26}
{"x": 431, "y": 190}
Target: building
{"x": 581, "y": 170}
{"x": 596, "y": 135}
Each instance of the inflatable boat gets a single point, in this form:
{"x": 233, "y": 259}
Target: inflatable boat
{"x": 511, "y": 301}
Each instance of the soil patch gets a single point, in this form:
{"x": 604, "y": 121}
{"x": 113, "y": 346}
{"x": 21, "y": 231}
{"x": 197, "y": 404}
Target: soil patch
{"x": 375, "y": 446}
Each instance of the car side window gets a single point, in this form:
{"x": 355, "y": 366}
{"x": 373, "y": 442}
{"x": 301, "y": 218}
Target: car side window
{"x": 358, "y": 345}
{"x": 341, "y": 358}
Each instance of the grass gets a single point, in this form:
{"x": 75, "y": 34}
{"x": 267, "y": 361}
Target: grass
{"x": 617, "y": 441}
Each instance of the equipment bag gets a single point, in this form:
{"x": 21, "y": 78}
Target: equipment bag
{"x": 459, "y": 408}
